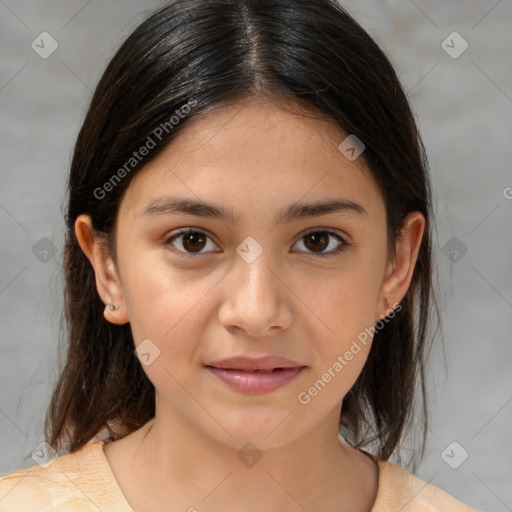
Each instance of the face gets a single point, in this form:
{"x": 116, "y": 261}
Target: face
{"x": 251, "y": 282}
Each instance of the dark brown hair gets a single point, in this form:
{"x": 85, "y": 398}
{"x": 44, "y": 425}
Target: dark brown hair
{"x": 210, "y": 53}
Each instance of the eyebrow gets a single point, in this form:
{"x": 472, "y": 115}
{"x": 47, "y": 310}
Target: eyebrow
{"x": 185, "y": 206}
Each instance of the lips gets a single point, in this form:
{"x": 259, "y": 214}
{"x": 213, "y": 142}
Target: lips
{"x": 260, "y": 364}
{"x": 255, "y": 375}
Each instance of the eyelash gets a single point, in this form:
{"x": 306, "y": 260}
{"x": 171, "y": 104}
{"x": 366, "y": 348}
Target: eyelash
{"x": 342, "y": 247}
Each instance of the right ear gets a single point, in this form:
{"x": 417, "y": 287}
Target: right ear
{"x": 107, "y": 278}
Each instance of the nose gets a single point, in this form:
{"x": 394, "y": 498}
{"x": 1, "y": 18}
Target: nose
{"x": 256, "y": 298}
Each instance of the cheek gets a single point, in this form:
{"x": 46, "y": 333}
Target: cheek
{"x": 345, "y": 306}
{"x": 341, "y": 343}
{"x": 166, "y": 306}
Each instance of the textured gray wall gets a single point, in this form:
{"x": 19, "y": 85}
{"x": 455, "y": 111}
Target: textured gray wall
{"x": 464, "y": 108}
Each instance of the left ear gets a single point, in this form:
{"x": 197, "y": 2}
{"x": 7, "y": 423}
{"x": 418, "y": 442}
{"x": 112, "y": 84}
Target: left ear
{"x": 400, "y": 271}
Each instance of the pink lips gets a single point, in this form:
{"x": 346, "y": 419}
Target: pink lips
{"x": 254, "y": 376}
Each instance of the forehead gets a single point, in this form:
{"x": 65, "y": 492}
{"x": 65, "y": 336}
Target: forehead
{"x": 254, "y": 154}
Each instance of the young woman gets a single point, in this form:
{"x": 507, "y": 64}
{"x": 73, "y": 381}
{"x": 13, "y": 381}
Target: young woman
{"x": 248, "y": 270}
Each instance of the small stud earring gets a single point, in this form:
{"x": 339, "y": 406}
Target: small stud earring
{"x": 386, "y": 312}
{"x": 112, "y": 308}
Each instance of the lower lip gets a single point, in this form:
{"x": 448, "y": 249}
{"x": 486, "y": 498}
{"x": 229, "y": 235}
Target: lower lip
{"x": 256, "y": 382}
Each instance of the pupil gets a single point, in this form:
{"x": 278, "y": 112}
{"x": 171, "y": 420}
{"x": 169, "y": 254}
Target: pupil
{"x": 322, "y": 239}
{"x": 195, "y": 239}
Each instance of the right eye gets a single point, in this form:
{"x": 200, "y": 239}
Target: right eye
{"x": 190, "y": 239}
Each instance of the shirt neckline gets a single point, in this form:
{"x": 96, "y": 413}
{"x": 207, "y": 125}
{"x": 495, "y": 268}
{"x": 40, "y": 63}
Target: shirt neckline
{"x": 110, "y": 484}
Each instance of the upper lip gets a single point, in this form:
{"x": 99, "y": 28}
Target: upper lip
{"x": 255, "y": 363}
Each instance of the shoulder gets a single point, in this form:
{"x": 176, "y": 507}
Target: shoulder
{"x": 400, "y": 490}
{"x": 69, "y": 482}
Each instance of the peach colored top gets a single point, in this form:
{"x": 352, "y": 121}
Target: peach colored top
{"x": 83, "y": 482}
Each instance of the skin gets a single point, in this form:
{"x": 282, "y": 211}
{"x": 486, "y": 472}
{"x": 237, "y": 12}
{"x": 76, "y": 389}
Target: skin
{"x": 254, "y": 158}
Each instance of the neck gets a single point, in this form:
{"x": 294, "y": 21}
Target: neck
{"x": 305, "y": 474}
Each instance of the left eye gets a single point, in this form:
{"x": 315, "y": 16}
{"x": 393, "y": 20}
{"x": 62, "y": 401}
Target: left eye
{"x": 320, "y": 240}
{"x": 192, "y": 242}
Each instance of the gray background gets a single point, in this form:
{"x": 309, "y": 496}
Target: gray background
{"x": 464, "y": 110}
